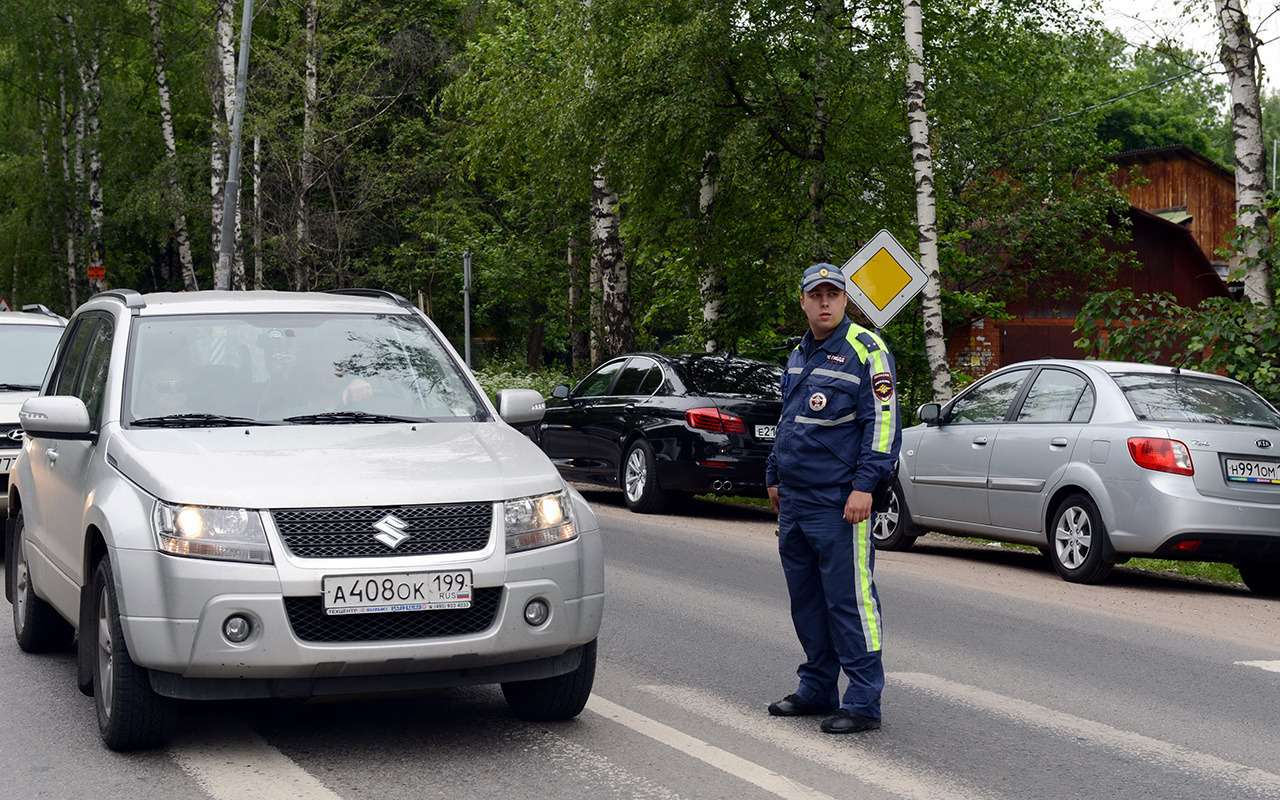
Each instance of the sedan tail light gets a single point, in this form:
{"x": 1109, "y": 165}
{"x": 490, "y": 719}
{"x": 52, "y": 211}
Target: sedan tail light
{"x": 1161, "y": 455}
{"x": 714, "y": 420}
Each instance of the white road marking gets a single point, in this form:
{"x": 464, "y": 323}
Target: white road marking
{"x": 1183, "y": 759}
{"x": 585, "y": 767}
{"x": 849, "y": 755}
{"x": 723, "y": 760}
{"x": 235, "y": 764}
{"x": 1269, "y": 666}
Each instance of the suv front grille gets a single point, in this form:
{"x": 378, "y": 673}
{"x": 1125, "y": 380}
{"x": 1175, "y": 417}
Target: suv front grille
{"x": 350, "y": 532}
{"x": 311, "y": 624}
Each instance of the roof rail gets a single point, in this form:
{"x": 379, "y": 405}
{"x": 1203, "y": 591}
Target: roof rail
{"x": 129, "y": 297}
{"x": 382, "y": 293}
{"x": 40, "y": 308}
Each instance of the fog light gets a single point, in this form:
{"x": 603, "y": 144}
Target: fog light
{"x": 536, "y": 612}
{"x": 238, "y": 628}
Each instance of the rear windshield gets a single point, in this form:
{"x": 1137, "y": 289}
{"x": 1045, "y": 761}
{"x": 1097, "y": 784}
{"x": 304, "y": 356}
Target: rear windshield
{"x": 713, "y": 376}
{"x": 1174, "y": 398}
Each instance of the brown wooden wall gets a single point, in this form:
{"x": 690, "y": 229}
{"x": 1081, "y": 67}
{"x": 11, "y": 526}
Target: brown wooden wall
{"x": 1174, "y": 180}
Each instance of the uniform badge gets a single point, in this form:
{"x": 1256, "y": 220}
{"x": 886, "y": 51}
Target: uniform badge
{"x": 823, "y": 272}
{"x": 882, "y": 385}
{"x": 817, "y": 401}
{"x": 835, "y": 358}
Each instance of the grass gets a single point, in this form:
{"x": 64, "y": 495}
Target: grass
{"x": 736, "y": 500}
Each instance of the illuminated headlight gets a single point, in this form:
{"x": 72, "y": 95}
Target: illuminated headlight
{"x": 227, "y": 534}
{"x": 539, "y": 521}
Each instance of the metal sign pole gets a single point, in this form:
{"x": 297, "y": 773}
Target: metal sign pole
{"x": 466, "y": 306}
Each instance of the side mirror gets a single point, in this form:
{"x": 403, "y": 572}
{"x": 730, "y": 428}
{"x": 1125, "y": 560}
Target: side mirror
{"x": 930, "y": 414}
{"x": 561, "y": 392}
{"x": 55, "y": 418}
{"x": 521, "y": 406}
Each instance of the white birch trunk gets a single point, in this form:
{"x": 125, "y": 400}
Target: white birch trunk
{"x": 223, "y": 92}
{"x": 309, "y": 96}
{"x": 70, "y": 191}
{"x": 257, "y": 212}
{"x": 171, "y": 150}
{"x": 710, "y": 277}
{"x": 935, "y": 344}
{"x": 606, "y": 251}
{"x": 93, "y": 101}
{"x": 1239, "y": 56}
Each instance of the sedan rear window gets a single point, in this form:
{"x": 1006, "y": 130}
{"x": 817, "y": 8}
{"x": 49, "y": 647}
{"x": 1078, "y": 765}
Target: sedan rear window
{"x": 738, "y": 377}
{"x": 1182, "y": 398}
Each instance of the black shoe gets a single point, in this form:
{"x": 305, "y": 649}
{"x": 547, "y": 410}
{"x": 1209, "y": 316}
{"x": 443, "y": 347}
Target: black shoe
{"x": 793, "y": 706}
{"x": 844, "y": 721}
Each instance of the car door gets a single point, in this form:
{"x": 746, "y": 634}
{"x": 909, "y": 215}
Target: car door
{"x": 564, "y": 431}
{"x": 48, "y": 531}
{"x": 952, "y": 457}
{"x": 609, "y": 418}
{"x": 68, "y": 461}
{"x": 1034, "y": 448}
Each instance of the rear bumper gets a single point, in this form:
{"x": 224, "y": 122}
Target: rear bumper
{"x": 1157, "y": 511}
{"x": 1225, "y": 547}
{"x": 716, "y": 474}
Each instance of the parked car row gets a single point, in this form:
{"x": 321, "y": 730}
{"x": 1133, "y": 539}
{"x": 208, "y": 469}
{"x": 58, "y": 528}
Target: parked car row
{"x": 1093, "y": 462}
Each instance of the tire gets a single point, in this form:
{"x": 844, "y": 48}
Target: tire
{"x": 36, "y": 625}
{"x": 893, "y": 529}
{"x": 1262, "y": 577}
{"x": 1078, "y": 545}
{"x": 560, "y": 698}
{"x": 131, "y": 716}
{"x": 639, "y": 480}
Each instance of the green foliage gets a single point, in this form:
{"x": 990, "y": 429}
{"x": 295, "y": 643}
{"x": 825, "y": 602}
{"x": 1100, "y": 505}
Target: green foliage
{"x": 509, "y": 374}
{"x": 1240, "y": 340}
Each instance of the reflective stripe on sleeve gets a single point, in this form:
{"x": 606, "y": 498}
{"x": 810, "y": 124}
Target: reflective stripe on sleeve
{"x": 826, "y": 423}
{"x": 868, "y": 609}
{"x": 882, "y": 436}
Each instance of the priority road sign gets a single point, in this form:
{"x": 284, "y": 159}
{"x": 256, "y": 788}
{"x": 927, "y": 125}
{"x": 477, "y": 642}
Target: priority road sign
{"x": 882, "y": 278}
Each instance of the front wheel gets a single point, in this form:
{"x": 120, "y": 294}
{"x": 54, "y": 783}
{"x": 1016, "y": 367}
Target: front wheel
{"x": 131, "y": 716}
{"x": 1078, "y": 541}
{"x": 892, "y": 529}
{"x": 640, "y": 480}
{"x": 559, "y": 698}
{"x": 1262, "y": 577}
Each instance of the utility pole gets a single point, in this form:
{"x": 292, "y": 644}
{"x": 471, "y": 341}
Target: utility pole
{"x": 466, "y": 306}
{"x": 222, "y": 276}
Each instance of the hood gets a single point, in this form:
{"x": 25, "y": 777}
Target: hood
{"x": 10, "y": 402}
{"x": 301, "y": 466}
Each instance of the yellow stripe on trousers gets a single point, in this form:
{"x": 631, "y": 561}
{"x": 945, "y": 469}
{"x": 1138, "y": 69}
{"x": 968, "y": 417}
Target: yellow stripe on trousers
{"x": 866, "y": 600}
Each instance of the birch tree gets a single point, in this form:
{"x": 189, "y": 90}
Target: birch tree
{"x": 222, "y": 97}
{"x": 711, "y": 286}
{"x": 926, "y": 204}
{"x": 607, "y": 253}
{"x": 171, "y": 150}
{"x": 1239, "y": 55}
{"x": 310, "y": 95}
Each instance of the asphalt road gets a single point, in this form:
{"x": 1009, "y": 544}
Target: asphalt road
{"x": 1004, "y": 682}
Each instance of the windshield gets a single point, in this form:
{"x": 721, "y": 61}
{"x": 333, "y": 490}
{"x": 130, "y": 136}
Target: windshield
{"x": 1173, "y": 398}
{"x": 25, "y": 351}
{"x": 278, "y": 367}
{"x": 711, "y": 375}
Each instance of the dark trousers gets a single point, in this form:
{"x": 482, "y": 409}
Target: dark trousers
{"x": 834, "y": 604}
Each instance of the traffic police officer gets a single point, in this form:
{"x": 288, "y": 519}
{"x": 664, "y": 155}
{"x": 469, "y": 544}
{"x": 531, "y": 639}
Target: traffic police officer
{"x": 838, "y": 440}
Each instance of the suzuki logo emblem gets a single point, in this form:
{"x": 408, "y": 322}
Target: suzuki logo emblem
{"x": 1263, "y": 443}
{"x": 391, "y": 530}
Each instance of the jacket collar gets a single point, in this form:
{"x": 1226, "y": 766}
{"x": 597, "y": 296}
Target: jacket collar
{"x": 831, "y": 344}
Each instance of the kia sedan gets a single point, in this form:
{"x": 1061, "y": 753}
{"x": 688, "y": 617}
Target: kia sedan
{"x": 1097, "y": 462}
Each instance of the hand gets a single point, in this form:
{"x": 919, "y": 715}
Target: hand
{"x": 773, "y": 498}
{"x": 857, "y": 508}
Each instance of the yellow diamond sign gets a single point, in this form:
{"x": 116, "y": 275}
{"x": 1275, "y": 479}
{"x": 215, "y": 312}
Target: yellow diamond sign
{"x": 882, "y": 278}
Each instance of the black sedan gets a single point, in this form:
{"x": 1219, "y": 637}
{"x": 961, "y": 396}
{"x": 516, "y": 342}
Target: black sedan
{"x": 664, "y": 426}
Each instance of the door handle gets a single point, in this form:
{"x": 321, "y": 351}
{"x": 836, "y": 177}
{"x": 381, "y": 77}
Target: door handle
{"x": 1058, "y": 441}
{"x": 52, "y": 456}
{"x": 980, "y": 441}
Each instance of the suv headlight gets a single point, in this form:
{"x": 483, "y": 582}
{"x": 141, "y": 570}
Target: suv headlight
{"x": 227, "y": 534}
{"x": 539, "y": 521}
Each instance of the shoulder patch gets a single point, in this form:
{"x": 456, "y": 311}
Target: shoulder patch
{"x": 882, "y": 386}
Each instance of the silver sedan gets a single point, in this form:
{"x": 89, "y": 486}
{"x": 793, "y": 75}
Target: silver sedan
{"x": 1096, "y": 462}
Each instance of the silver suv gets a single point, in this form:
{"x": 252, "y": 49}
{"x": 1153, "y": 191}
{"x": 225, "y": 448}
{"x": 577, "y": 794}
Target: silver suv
{"x": 263, "y": 494}
{"x": 27, "y": 341}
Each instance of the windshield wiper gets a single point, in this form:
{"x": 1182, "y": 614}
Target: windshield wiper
{"x": 348, "y": 417}
{"x": 196, "y": 421}
{"x": 18, "y": 387}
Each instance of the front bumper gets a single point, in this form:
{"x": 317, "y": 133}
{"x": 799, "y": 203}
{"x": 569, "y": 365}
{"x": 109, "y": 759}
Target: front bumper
{"x": 173, "y": 609}
{"x": 1155, "y": 512}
